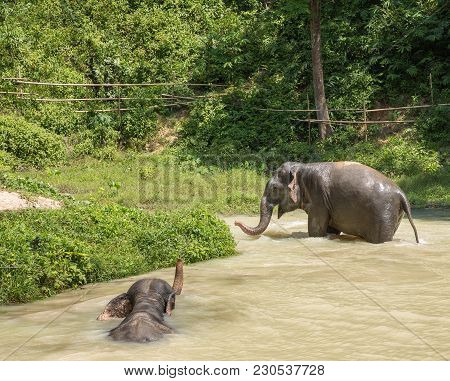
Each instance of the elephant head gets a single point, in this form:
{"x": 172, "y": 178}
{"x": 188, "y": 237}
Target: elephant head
{"x": 143, "y": 307}
{"x": 277, "y": 192}
{"x": 162, "y": 288}
{"x": 122, "y": 305}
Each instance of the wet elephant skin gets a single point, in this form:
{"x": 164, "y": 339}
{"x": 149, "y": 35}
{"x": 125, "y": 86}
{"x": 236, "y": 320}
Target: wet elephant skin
{"x": 143, "y": 307}
{"x": 346, "y": 197}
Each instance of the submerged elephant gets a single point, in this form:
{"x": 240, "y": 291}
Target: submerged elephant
{"x": 346, "y": 197}
{"x": 143, "y": 307}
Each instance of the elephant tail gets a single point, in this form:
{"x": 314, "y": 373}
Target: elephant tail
{"x": 407, "y": 209}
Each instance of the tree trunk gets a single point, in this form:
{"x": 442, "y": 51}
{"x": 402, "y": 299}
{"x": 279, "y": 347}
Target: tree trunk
{"x": 319, "y": 90}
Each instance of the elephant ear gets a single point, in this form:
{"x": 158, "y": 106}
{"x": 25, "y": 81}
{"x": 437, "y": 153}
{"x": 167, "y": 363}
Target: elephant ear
{"x": 291, "y": 200}
{"x": 118, "y": 308}
{"x": 293, "y": 188}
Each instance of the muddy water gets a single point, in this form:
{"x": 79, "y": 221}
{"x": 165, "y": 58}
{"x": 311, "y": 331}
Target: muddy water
{"x": 285, "y": 297}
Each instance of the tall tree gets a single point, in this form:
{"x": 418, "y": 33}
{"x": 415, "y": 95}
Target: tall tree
{"x": 319, "y": 90}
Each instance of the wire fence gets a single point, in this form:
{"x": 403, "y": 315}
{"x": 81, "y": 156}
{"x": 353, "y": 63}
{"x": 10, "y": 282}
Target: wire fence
{"x": 356, "y": 110}
{"x": 185, "y": 100}
{"x": 175, "y": 100}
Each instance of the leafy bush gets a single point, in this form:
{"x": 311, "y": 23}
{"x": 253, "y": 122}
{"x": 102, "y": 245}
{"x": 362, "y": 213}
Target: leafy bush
{"x": 427, "y": 190}
{"x": 30, "y": 143}
{"x": 136, "y": 126}
{"x": 59, "y": 118}
{"x": 44, "y": 252}
{"x": 432, "y": 125}
{"x": 398, "y": 155}
{"x": 195, "y": 236}
{"x": 105, "y": 133}
{"x": 8, "y": 161}
{"x": 232, "y": 126}
{"x": 401, "y": 156}
{"x": 99, "y": 134}
{"x": 27, "y": 184}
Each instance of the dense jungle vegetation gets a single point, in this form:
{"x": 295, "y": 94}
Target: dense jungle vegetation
{"x": 379, "y": 52}
{"x": 216, "y": 146}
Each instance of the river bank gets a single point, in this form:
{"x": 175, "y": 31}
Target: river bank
{"x": 161, "y": 182}
{"x": 43, "y": 252}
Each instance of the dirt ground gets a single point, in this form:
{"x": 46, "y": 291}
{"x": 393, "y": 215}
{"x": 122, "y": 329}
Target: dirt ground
{"x": 14, "y": 201}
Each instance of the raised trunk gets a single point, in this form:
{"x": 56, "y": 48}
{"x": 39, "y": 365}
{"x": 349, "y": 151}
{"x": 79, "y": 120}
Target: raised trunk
{"x": 319, "y": 90}
{"x": 266, "y": 210}
{"x": 178, "y": 280}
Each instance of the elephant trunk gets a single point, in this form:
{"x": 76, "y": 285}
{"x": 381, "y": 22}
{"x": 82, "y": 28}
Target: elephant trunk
{"x": 265, "y": 214}
{"x": 178, "y": 280}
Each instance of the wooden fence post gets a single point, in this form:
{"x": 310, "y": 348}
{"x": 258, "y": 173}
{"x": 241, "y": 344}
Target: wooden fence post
{"x": 431, "y": 89}
{"x": 20, "y": 91}
{"x": 119, "y": 108}
{"x": 365, "y": 120}
{"x": 309, "y": 120}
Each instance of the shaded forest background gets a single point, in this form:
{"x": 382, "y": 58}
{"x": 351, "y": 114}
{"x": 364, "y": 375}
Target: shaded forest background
{"x": 381, "y": 52}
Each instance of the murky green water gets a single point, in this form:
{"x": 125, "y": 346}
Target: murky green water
{"x": 285, "y": 297}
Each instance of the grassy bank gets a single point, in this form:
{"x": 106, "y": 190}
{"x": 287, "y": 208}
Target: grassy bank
{"x": 430, "y": 190}
{"x": 160, "y": 182}
{"x": 157, "y": 183}
{"x": 45, "y": 252}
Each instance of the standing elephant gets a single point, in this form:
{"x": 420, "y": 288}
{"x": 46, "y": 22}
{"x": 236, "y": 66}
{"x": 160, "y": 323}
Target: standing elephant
{"x": 345, "y": 196}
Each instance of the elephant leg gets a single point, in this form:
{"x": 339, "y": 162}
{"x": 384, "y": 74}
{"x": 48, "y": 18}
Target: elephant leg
{"x": 318, "y": 222}
{"x": 331, "y": 230}
{"x": 385, "y": 231}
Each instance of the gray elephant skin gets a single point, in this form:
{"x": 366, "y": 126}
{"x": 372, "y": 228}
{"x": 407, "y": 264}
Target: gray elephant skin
{"x": 345, "y": 196}
{"x": 142, "y": 307}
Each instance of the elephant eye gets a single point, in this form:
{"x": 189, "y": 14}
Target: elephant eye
{"x": 275, "y": 191}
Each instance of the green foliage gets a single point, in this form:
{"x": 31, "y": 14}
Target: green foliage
{"x": 105, "y": 133}
{"x": 137, "y": 126}
{"x": 27, "y": 184}
{"x": 368, "y": 57}
{"x": 8, "y": 161}
{"x": 407, "y": 41}
{"x": 397, "y": 155}
{"x": 56, "y": 117}
{"x": 44, "y": 252}
{"x": 381, "y": 52}
{"x": 194, "y": 235}
{"x": 99, "y": 139}
{"x": 432, "y": 125}
{"x": 107, "y": 41}
{"x": 232, "y": 126}
{"x": 428, "y": 190}
{"x": 223, "y": 135}
{"x": 402, "y": 156}
{"x": 30, "y": 143}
